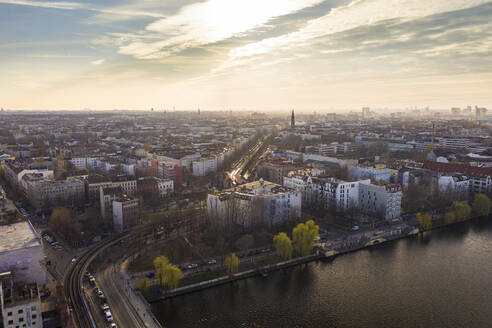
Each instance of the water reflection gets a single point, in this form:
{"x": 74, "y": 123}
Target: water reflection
{"x": 438, "y": 279}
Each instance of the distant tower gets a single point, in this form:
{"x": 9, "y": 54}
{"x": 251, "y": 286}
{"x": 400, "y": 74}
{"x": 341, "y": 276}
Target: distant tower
{"x": 152, "y": 109}
{"x": 293, "y": 121}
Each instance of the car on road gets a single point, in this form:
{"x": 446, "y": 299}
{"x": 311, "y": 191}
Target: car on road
{"x": 355, "y": 228}
{"x": 74, "y": 260}
{"x": 192, "y": 266}
{"x": 100, "y": 294}
{"x": 212, "y": 261}
{"x": 113, "y": 325}
{"x": 109, "y": 316}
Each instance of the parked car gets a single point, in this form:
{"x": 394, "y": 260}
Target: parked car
{"x": 109, "y": 316}
{"x": 192, "y": 266}
{"x": 212, "y": 261}
{"x": 355, "y": 228}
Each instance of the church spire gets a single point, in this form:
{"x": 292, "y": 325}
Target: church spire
{"x": 293, "y": 120}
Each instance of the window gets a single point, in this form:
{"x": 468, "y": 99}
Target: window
{"x": 20, "y": 311}
{"x": 34, "y": 316}
{"x": 11, "y": 322}
{"x": 9, "y": 314}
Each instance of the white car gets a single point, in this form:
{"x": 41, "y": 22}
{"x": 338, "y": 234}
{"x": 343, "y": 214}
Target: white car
{"x": 109, "y": 316}
{"x": 213, "y": 261}
{"x": 113, "y": 325}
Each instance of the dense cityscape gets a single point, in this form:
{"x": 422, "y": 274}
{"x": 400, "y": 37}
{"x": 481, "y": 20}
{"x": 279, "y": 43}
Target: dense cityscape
{"x": 245, "y": 163}
{"x": 106, "y": 212}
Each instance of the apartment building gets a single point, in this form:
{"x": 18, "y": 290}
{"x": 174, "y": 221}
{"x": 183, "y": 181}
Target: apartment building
{"x": 106, "y": 197}
{"x": 125, "y": 212}
{"x": 21, "y": 303}
{"x": 204, "y": 166}
{"x": 274, "y": 170}
{"x": 382, "y": 201}
{"x": 43, "y": 193}
{"x": 256, "y": 203}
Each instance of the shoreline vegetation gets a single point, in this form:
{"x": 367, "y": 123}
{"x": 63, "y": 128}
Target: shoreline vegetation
{"x": 194, "y": 283}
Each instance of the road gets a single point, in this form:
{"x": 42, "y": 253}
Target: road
{"x": 246, "y": 163}
{"x": 113, "y": 288}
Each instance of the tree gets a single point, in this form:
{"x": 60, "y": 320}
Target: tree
{"x": 160, "y": 263}
{"x": 61, "y": 221}
{"x": 172, "y": 275}
{"x": 232, "y": 263}
{"x": 283, "y": 245}
{"x": 245, "y": 242}
{"x": 304, "y": 235}
{"x": 481, "y": 205}
{"x": 449, "y": 217}
{"x": 461, "y": 210}
{"x": 144, "y": 284}
{"x": 168, "y": 274}
{"x": 425, "y": 221}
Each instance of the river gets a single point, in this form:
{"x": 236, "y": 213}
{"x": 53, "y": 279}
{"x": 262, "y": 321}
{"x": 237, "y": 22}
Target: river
{"x": 440, "y": 279}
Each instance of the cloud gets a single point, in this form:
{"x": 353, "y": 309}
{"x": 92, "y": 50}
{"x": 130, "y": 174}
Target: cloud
{"x": 123, "y": 11}
{"x": 56, "y": 56}
{"x": 209, "y": 22}
{"x": 357, "y": 13}
{"x": 43, "y": 4}
{"x": 97, "y": 62}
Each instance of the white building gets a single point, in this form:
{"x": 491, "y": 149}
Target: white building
{"x": 125, "y": 213}
{"x": 21, "y": 303}
{"x": 256, "y": 203}
{"x": 165, "y": 187}
{"x": 459, "y": 184}
{"x": 205, "y": 166}
{"x": 22, "y": 253}
{"x": 381, "y": 201}
{"x": 51, "y": 193}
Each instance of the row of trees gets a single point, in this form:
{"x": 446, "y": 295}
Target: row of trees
{"x": 304, "y": 235}
{"x": 460, "y": 211}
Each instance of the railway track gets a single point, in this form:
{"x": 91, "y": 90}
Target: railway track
{"x": 72, "y": 282}
{"x": 78, "y": 307}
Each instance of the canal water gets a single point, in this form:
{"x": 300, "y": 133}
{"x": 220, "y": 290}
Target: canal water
{"x": 440, "y": 279}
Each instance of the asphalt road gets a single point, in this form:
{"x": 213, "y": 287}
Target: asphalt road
{"x": 112, "y": 287}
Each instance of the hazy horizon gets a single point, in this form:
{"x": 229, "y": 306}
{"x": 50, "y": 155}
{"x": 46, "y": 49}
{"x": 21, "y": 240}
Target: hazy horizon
{"x": 311, "y": 55}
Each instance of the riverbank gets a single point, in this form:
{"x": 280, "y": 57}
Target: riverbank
{"x": 324, "y": 251}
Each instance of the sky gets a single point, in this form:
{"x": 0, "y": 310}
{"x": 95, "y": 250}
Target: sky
{"x": 245, "y": 54}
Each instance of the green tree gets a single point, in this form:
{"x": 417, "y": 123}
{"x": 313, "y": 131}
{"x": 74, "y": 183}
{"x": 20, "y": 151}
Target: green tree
{"x": 449, "y": 217}
{"x": 160, "y": 263}
{"x": 144, "y": 284}
{"x": 461, "y": 210}
{"x": 167, "y": 273}
{"x": 481, "y": 205}
{"x": 283, "y": 245}
{"x": 425, "y": 221}
{"x": 232, "y": 263}
{"x": 172, "y": 275}
{"x": 304, "y": 235}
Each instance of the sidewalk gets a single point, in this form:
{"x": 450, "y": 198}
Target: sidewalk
{"x": 139, "y": 304}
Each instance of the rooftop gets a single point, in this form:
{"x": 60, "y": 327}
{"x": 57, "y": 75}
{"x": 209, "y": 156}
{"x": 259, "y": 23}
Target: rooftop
{"x": 18, "y": 236}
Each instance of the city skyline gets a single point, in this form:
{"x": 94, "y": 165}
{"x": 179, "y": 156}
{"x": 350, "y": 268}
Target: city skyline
{"x": 218, "y": 54}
